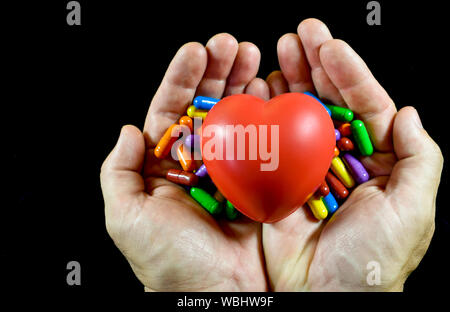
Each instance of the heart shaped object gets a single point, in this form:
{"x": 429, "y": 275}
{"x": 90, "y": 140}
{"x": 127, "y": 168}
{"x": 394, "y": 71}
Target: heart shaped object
{"x": 271, "y": 178}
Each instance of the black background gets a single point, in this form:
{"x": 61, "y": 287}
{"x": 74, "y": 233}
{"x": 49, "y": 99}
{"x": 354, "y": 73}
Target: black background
{"x": 75, "y": 86}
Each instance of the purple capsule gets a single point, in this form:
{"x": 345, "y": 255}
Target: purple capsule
{"x": 356, "y": 168}
{"x": 192, "y": 140}
{"x": 201, "y": 172}
{"x": 338, "y": 134}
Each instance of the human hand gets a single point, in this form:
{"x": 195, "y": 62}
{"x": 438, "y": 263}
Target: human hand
{"x": 172, "y": 243}
{"x": 390, "y": 218}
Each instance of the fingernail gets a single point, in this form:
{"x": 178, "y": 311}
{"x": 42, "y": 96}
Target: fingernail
{"x": 417, "y": 120}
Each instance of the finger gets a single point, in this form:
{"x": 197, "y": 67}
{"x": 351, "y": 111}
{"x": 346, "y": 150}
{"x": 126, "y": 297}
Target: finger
{"x": 277, "y": 83}
{"x": 360, "y": 90}
{"x": 313, "y": 33}
{"x": 176, "y": 91}
{"x": 418, "y": 171}
{"x": 222, "y": 50}
{"x": 244, "y": 69}
{"x": 293, "y": 64}
{"x": 120, "y": 173}
{"x": 258, "y": 87}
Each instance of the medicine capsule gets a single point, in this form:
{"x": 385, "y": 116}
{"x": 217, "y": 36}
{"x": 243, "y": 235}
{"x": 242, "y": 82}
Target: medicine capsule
{"x": 323, "y": 189}
{"x": 206, "y": 200}
{"x": 187, "y": 121}
{"x": 356, "y": 168}
{"x": 361, "y": 137}
{"x": 345, "y": 129}
{"x": 340, "y": 113}
{"x": 166, "y": 142}
{"x": 181, "y": 177}
{"x": 339, "y": 169}
{"x": 336, "y": 151}
{"x": 337, "y": 134}
{"x": 317, "y": 207}
{"x": 193, "y": 112}
{"x": 204, "y": 102}
{"x": 330, "y": 203}
{"x": 336, "y": 187}
{"x": 345, "y": 144}
{"x": 201, "y": 172}
{"x": 324, "y": 106}
{"x": 185, "y": 158}
{"x": 231, "y": 212}
{"x": 192, "y": 141}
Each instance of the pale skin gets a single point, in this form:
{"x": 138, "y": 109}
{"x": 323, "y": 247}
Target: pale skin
{"x": 173, "y": 244}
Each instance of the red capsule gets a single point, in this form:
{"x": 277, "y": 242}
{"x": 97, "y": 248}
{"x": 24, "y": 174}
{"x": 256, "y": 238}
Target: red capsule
{"x": 323, "y": 189}
{"x": 345, "y": 129}
{"x": 337, "y": 188}
{"x": 345, "y": 144}
{"x": 181, "y": 177}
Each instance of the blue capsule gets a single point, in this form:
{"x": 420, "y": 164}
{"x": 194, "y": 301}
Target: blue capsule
{"x": 331, "y": 203}
{"x": 204, "y": 102}
{"x": 324, "y": 106}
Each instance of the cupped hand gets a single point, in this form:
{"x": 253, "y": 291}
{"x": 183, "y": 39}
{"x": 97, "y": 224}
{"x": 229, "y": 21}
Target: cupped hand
{"x": 172, "y": 243}
{"x": 386, "y": 224}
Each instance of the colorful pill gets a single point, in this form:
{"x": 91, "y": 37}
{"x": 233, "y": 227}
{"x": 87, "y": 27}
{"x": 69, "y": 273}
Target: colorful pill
{"x": 340, "y": 113}
{"x": 345, "y": 144}
{"x": 361, "y": 137}
{"x": 192, "y": 141}
{"x": 204, "y": 102}
{"x": 317, "y": 207}
{"x": 336, "y": 187}
{"x": 337, "y": 133}
{"x": 310, "y": 94}
{"x": 205, "y": 200}
{"x": 339, "y": 169}
{"x": 166, "y": 142}
{"x": 323, "y": 189}
{"x": 336, "y": 151}
{"x": 185, "y": 158}
{"x": 187, "y": 121}
{"x": 201, "y": 172}
{"x": 345, "y": 129}
{"x": 356, "y": 168}
{"x": 231, "y": 212}
{"x": 193, "y": 112}
{"x": 330, "y": 203}
{"x": 182, "y": 177}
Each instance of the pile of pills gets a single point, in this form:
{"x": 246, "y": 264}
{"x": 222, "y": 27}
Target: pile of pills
{"x": 345, "y": 173}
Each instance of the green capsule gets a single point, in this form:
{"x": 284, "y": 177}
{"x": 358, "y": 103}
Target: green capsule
{"x": 205, "y": 200}
{"x": 362, "y": 138}
{"x": 340, "y": 113}
{"x": 230, "y": 211}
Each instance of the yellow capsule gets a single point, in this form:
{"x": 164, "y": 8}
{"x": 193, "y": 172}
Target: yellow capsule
{"x": 192, "y": 112}
{"x": 339, "y": 169}
{"x": 318, "y": 208}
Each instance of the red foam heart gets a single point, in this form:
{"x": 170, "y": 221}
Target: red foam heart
{"x": 306, "y": 143}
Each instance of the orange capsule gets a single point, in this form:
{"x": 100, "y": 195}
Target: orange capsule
{"x": 338, "y": 189}
{"x": 345, "y": 129}
{"x": 336, "y": 151}
{"x": 345, "y": 144}
{"x": 166, "y": 142}
{"x": 187, "y": 121}
{"x": 185, "y": 158}
{"x": 323, "y": 189}
{"x": 182, "y": 177}
{"x": 219, "y": 197}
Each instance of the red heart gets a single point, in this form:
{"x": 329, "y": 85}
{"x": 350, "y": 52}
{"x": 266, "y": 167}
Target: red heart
{"x": 306, "y": 146}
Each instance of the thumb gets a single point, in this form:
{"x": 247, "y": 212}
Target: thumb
{"x": 120, "y": 175}
{"x": 419, "y": 168}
